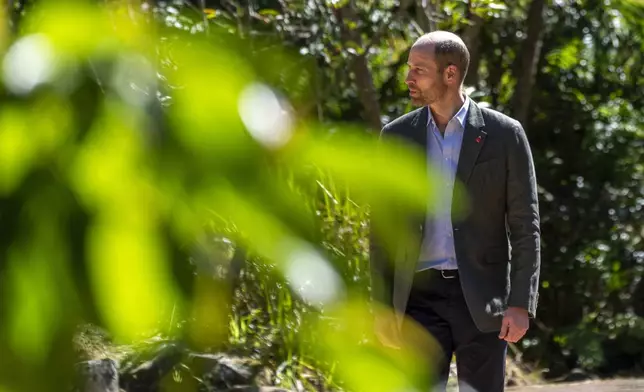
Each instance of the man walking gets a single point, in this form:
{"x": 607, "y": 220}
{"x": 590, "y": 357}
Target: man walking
{"x": 471, "y": 281}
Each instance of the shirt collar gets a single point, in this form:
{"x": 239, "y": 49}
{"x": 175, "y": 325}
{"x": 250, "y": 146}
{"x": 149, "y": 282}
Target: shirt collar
{"x": 461, "y": 115}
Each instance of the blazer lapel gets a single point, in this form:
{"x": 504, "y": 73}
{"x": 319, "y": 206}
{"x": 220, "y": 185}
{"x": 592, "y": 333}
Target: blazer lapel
{"x": 473, "y": 140}
{"x": 419, "y": 128}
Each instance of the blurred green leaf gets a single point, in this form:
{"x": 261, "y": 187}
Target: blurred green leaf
{"x": 364, "y": 364}
{"x": 16, "y": 150}
{"x": 268, "y": 12}
{"x": 566, "y": 57}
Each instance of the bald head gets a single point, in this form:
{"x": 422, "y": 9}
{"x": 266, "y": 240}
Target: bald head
{"x": 447, "y": 48}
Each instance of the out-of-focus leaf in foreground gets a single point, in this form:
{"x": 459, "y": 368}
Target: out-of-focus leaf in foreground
{"x": 105, "y": 194}
{"x": 346, "y": 337}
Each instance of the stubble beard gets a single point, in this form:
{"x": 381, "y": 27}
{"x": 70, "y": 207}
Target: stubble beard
{"x": 420, "y": 100}
{"x": 437, "y": 95}
{"x": 424, "y": 99}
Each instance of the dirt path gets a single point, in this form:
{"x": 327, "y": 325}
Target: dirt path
{"x": 628, "y": 385}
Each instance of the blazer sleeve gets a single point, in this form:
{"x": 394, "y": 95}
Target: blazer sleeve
{"x": 524, "y": 223}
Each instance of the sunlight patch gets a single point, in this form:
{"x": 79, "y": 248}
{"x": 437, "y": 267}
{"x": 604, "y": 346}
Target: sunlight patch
{"x": 134, "y": 79}
{"x": 311, "y": 276}
{"x": 265, "y": 115}
{"x": 28, "y": 64}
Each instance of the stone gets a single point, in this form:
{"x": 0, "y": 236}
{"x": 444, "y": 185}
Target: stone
{"x": 578, "y": 375}
{"x": 99, "y": 375}
{"x": 256, "y": 389}
{"x": 147, "y": 376}
{"x": 223, "y": 371}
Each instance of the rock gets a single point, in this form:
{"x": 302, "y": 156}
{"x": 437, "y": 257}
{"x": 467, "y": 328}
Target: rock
{"x": 257, "y": 389}
{"x": 578, "y": 375}
{"x": 146, "y": 372}
{"x": 100, "y": 375}
{"x": 147, "y": 376}
{"x": 223, "y": 372}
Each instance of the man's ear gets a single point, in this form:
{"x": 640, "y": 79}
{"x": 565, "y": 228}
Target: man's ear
{"x": 451, "y": 74}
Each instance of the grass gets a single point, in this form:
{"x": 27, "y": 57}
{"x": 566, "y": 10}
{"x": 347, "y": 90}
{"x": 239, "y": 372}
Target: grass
{"x": 270, "y": 323}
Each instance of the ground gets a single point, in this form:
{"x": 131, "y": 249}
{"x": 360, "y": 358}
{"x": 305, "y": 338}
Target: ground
{"x": 588, "y": 386}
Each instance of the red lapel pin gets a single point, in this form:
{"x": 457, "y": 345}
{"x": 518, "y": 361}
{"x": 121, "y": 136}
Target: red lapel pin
{"x": 478, "y": 139}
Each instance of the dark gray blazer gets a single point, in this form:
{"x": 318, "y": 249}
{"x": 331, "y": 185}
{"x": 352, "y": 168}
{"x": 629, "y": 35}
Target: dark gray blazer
{"x": 497, "y": 239}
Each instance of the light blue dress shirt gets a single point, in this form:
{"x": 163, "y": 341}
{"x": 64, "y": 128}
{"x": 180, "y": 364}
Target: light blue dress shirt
{"x": 437, "y": 250}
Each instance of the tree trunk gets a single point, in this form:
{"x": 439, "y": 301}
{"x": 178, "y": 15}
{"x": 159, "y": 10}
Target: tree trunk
{"x": 495, "y": 65}
{"x": 367, "y": 91}
{"x": 527, "y": 66}
{"x": 359, "y": 67}
{"x": 472, "y": 39}
{"x": 425, "y": 15}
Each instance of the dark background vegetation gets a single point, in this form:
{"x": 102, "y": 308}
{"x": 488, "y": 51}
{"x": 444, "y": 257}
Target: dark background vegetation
{"x": 570, "y": 70}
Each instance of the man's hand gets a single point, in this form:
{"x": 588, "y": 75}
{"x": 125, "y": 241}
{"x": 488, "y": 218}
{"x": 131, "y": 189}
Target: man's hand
{"x": 386, "y": 329}
{"x": 515, "y": 324}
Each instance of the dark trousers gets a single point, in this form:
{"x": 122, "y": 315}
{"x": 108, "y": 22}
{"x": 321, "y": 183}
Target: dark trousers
{"x": 436, "y": 303}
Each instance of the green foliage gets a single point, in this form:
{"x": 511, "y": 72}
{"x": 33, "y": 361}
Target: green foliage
{"x": 584, "y": 125}
{"x": 112, "y": 179}
{"x": 107, "y": 195}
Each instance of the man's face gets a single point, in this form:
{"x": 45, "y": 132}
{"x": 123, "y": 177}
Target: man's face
{"x": 425, "y": 82}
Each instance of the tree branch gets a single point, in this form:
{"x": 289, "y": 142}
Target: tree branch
{"x": 384, "y": 29}
{"x": 424, "y": 8}
{"x": 526, "y": 71}
{"x": 472, "y": 39}
{"x": 359, "y": 66}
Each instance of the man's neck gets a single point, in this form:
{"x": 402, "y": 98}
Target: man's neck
{"x": 446, "y": 108}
